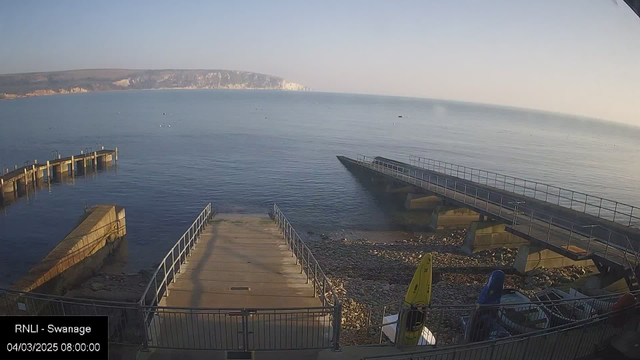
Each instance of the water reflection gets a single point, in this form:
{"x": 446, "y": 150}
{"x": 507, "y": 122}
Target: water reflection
{"x": 28, "y": 191}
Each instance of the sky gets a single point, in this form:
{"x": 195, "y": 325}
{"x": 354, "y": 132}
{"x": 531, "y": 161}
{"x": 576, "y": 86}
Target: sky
{"x": 571, "y": 56}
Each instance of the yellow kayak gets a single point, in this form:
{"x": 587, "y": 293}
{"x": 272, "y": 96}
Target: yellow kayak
{"x": 418, "y": 294}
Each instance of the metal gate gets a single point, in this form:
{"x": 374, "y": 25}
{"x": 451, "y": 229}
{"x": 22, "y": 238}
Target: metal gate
{"x": 243, "y": 329}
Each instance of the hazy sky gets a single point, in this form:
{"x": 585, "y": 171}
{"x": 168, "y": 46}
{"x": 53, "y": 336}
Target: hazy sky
{"x": 571, "y": 56}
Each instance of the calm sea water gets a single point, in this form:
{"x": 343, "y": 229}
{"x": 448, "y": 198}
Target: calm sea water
{"x": 244, "y": 150}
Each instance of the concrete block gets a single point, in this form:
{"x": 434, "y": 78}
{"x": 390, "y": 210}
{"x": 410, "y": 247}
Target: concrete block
{"x": 444, "y": 217}
{"x": 530, "y": 258}
{"x": 485, "y": 235}
{"x": 7, "y": 187}
{"x": 421, "y": 201}
{"x": 400, "y": 189}
{"x": 73, "y": 258}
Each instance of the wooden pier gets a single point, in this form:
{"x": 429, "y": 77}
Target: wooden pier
{"x": 14, "y": 181}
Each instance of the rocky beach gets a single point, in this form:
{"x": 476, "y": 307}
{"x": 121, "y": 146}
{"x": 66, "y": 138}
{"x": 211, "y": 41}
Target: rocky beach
{"x": 371, "y": 272}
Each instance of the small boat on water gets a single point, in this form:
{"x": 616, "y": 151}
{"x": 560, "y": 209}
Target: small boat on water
{"x": 523, "y": 316}
{"x": 563, "y": 308}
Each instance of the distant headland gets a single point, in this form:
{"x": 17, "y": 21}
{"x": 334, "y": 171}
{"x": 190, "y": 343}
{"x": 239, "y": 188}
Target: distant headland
{"x": 13, "y": 86}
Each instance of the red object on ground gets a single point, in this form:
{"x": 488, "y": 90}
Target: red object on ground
{"x": 620, "y": 317}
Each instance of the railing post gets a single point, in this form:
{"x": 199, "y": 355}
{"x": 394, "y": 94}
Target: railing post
{"x": 337, "y": 322}
{"x": 400, "y": 325}
{"x": 493, "y": 348}
{"x": 301, "y": 258}
{"x": 164, "y": 281}
{"x": 173, "y": 266}
{"x": 475, "y": 199}
{"x": 324, "y": 294}
{"x": 179, "y": 254}
{"x": 308, "y": 265}
{"x": 570, "y": 235}
{"x": 155, "y": 283}
{"x": 530, "y": 222}
{"x": 571, "y": 204}
{"x": 145, "y": 342}
{"x": 631, "y": 215}
{"x": 600, "y": 207}
{"x": 546, "y": 194}
{"x": 486, "y": 202}
{"x": 315, "y": 278}
{"x": 464, "y": 198}
{"x": 615, "y": 211}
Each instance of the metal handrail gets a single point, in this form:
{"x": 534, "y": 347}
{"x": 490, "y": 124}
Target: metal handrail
{"x": 510, "y": 211}
{"x": 462, "y": 307}
{"x": 308, "y": 262}
{"x": 184, "y": 246}
{"x": 309, "y": 265}
{"x": 619, "y": 212}
{"x": 453, "y": 349}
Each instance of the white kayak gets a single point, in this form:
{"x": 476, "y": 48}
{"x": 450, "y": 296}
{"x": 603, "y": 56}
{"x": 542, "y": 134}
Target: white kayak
{"x": 389, "y": 330}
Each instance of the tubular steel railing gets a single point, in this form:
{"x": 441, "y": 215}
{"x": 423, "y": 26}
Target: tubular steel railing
{"x": 308, "y": 263}
{"x": 456, "y": 324}
{"x": 612, "y": 210}
{"x": 149, "y": 325}
{"x": 569, "y": 341}
{"x": 242, "y": 329}
{"x": 166, "y": 273}
{"x": 126, "y": 324}
{"x": 564, "y": 235}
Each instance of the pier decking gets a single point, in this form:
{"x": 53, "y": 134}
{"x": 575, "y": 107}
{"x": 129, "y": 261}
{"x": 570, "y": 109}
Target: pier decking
{"x": 241, "y": 261}
{"x": 12, "y": 181}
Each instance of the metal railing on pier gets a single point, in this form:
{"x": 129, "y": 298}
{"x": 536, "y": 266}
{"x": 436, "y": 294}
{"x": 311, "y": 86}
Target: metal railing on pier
{"x": 449, "y": 325}
{"x": 241, "y": 329}
{"x": 488, "y": 339}
{"x": 309, "y": 265}
{"x": 126, "y": 324}
{"x": 550, "y": 229}
{"x": 172, "y": 262}
{"x": 150, "y": 325}
{"x": 611, "y": 210}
